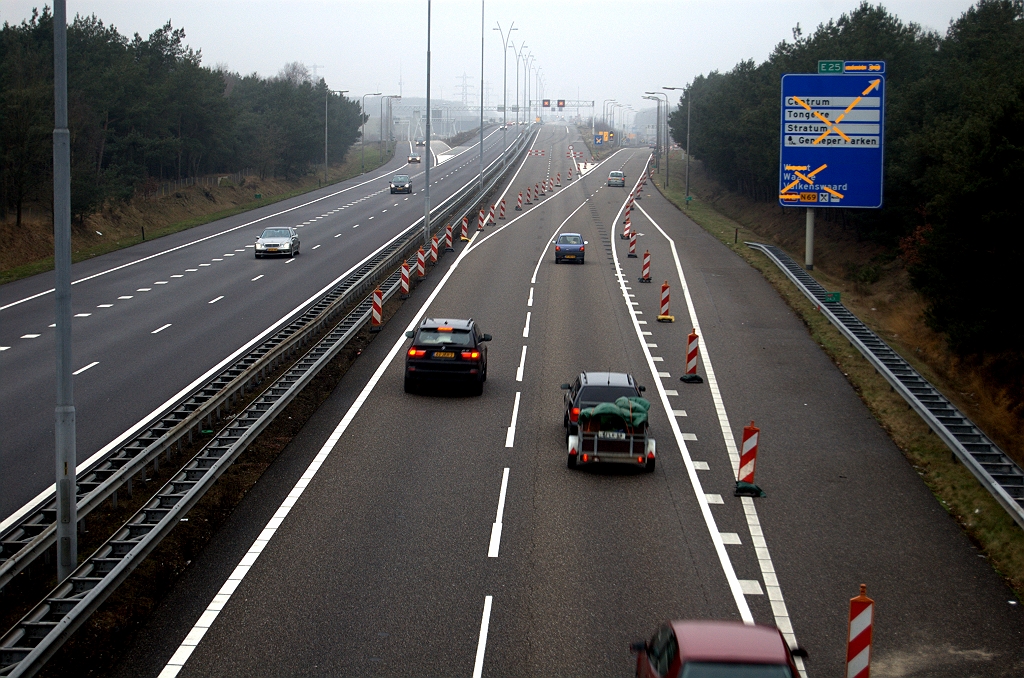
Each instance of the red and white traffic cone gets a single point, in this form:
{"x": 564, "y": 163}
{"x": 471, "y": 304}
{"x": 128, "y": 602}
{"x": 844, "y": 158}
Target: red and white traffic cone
{"x": 745, "y": 486}
{"x": 859, "y": 636}
{"x": 632, "y": 245}
{"x": 627, "y": 229}
{"x": 465, "y": 229}
{"x": 529, "y": 200}
{"x": 663, "y": 314}
{"x": 539, "y": 188}
{"x": 480, "y": 220}
{"x": 405, "y": 281}
{"x": 501, "y": 210}
{"x": 421, "y": 264}
{"x": 519, "y": 203}
{"x": 448, "y": 238}
{"x": 490, "y": 216}
{"x": 645, "y": 270}
{"x": 570, "y": 173}
{"x": 558, "y": 179}
{"x": 692, "y": 348}
{"x": 551, "y": 185}
{"x": 433, "y": 251}
{"x": 377, "y": 311}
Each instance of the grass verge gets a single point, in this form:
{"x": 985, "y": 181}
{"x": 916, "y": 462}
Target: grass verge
{"x": 984, "y": 521}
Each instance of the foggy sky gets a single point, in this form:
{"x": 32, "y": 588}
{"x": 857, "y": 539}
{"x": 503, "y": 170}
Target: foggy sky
{"x": 593, "y": 50}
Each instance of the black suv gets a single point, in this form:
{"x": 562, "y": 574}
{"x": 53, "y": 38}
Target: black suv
{"x": 445, "y": 351}
{"x": 592, "y": 388}
{"x": 401, "y": 183}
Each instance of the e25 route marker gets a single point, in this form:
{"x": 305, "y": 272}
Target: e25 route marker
{"x": 834, "y": 124}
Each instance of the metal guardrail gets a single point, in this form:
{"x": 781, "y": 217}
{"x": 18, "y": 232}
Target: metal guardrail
{"x": 25, "y": 648}
{"x": 997, "y": 473}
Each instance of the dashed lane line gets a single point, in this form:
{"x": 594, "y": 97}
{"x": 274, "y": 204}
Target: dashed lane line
{"x": 83, "y": 369}
{"x": 510, "y": 436}
{"x": 161, "y": 328}
{"x": 492, "y": 549}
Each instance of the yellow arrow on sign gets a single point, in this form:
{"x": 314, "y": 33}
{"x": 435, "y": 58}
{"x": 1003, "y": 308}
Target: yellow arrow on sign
{"x": 798, "y": 167}
{"x": 874, "y": 84}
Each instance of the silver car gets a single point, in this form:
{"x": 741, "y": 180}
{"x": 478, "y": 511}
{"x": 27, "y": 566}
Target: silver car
{"x": 278, "y": 241}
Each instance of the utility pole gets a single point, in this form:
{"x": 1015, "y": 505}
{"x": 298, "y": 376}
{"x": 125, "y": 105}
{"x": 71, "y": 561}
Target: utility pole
{"x": 426, "y": 178}
{"x": 481, "y": 180}
{"x": 67, "y": 507}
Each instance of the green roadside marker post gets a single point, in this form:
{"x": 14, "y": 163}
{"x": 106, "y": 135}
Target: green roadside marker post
{"x": 832, "y": 297}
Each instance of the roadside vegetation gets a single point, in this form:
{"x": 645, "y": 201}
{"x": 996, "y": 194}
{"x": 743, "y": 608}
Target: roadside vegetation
{"x": 986, "y": 523}
{"x": 145, "y": 111}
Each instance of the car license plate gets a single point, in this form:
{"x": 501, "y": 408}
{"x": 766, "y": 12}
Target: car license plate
{"x": 611, "y": 435}
{"x": 444, "y": 354}
{"x": 570, "y": 256}
{"x": 271, "y": 249}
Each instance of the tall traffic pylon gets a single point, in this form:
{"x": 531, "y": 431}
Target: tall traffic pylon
{"x": 519, "y": 203}
{"x": 859, "y": 635}
{"x": 558, "y": 179}
{"x": 501, "y": 210}
{"x": 465, "y": 229}
{"x": 480, "y": 220}
{"x": 433, "y": 251}
{"x": 421, "y": 264}
{"x": 529, "y": 201}
{"x": 663, "y": 314}
{"x": 405, "y": 281}
{"x": 539, "y": 188}
{"x": 448, "y": 238}
{"x": 570, "y": 173}
{"x": 645, "y": 269}
{"x": 745, "y": 486}
{"x": 377, "y": 311}
{"x": 626, "y": 229}
{"x": 632, "y": 245}
{"x": 490, "y": 216}
{"x": 692, "y": 349}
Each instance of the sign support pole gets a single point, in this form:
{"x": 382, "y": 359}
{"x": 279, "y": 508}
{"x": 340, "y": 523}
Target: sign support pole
{"x": 809, "y": 240}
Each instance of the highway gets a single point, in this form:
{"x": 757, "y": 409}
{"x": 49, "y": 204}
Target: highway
{"x": 152, "y": 319}
{"x": 438, "y": 535}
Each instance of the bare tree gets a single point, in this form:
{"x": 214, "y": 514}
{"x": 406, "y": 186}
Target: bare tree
{"x": 295, "y": 73}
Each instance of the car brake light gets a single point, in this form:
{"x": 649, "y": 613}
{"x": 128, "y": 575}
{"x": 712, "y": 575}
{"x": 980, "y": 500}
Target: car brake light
{"x": 581, "y": 248}
{"x": 444, "y": 329}
{"x": 417, "y": 352}
{"x": 586, "y": 457}
{"x": 639, "y": 460}
{"x": 470, "y": 355}
{"x": 574, "y": 415}
{"x": 557, "y": 248}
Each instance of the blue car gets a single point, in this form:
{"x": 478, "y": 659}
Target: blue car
{"x": 569, "y": 247}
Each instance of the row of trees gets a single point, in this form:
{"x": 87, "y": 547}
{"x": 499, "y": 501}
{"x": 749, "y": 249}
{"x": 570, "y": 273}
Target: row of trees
{"x": 144, "y": 110}
{"x": 954, "y": 151}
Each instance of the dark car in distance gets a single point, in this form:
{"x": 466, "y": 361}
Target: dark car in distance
{"x": 400, "y": 183}
{"x": 570, "y": 247}
{"x": 446, "y": 351}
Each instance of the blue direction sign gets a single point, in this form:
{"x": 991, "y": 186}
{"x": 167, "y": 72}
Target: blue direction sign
{"x": 598, "y": 140}
{"x": 832, "y": 132}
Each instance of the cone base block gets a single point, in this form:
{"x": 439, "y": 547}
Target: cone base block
{"x": 404, "y": 296}
{"x": 375, "y": 328}
{"x": 631, "y": 256}
{"x": 451, "y": 249}
{"x": 644, "y": 280}
{"x": 748, "y": 490}
{"x": 666, "y": 318}
{"x": 691, "y": 379}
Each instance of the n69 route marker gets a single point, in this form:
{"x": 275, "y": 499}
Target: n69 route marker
{"x": 831, "y": 141}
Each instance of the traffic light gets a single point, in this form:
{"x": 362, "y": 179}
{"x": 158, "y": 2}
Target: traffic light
{"x": 611, "y": 135}
{"x": 547, "y": 103}
{"x": 561, "y": 103}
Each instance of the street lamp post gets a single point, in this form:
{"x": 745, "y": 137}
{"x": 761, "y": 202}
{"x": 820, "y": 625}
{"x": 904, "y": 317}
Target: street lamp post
{"x": 519, "y": 54}
{"x": 426, "y": 176}
{"x": 657, "y": 130}
{"x": 362, "y": 129}
{"x": 668, "y": 143}
{"x": 687, "y": 138}
{"x": 504, "y": 87}
{"x": 327, "y": 95}
{"x": 482, "y": 34}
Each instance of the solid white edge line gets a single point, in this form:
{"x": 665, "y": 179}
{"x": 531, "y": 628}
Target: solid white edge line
{"x": 522, "y": 366}
{"x": 511, "y": 435}
{"x": 779, "y": 610}
{"x": 145, "y": 421}
{"x": 492, "y": 549}
{"x": 83, "y": 369}
{"x": 481, "y": 645}
{"x": 698, "y": 490}
{"x": 181, "y": 655}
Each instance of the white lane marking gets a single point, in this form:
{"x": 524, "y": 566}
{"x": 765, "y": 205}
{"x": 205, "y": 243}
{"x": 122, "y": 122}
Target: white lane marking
{"x": 79, "y": 371}
{"x": 217, "y": 259}
{"x": 256, "y": 278}
{"x": 671, "y": 392}
{"x": 144, "y": 289}
{"x": 689, "y": 436}
{"x": 177, "y": 275}
{"x": 701, "y": 466}
{"x": 242, "y": 250}
{"x": 679, "y": 413}
{"x": 492, "y": 549}
{"x": 751, "y": 587}
{"x": 714, "y": 498}
{"x": 338, "y": 236}
{"x": 160, "y": 282}
{"x": 202, "y": 625}
{"x": 522, "y": 365}
{"x": 315, "y": 246}
{"x": 214, "y": 301}
{"x": 30, "y": 336}
{"x": 779, "y": 610}
{"x": 4, "y": 348}
{"x": 204, "y": 264}
{"x": 356, "y": 226}
{"x": 730, "y": 538}
{"x": 288, "y": 261}
{"x": 665, "y": 375}
{"x": 227, "y": 255}
{"x": 193, "y": 270}
{"x": 371, "y": 217}
{"x": 652, "y": 345}
{"x": 656, "y": 359}
{"x": 526, "y": 329}
{"x": 511, "y": 435}
{"x": 82, "y": 315}
{"x": 529, "y": 302}
{"x": 709, "y": 520}
{"x": 128, "y": 296}
{"x": 481, "y": 644}
{"x": 161, "y": 329}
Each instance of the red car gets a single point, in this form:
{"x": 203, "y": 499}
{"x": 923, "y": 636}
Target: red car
{"x": 715, "y": 649}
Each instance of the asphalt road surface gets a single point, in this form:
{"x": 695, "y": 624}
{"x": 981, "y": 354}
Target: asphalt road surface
{"x": 439, "y": 535}
{"x": 152, "y": 319}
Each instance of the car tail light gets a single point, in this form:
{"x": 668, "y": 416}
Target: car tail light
{"x": 574, "y": 415}
{"x": 557, "y": 248}
{"x": 650, "y": 455}
{"x": 582, "y": 248}
{"x": 586, "y": 457}
{"x": 639, "y": 460}
{"x": 417, "y": 353}
{"x": 470, "y": 355}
